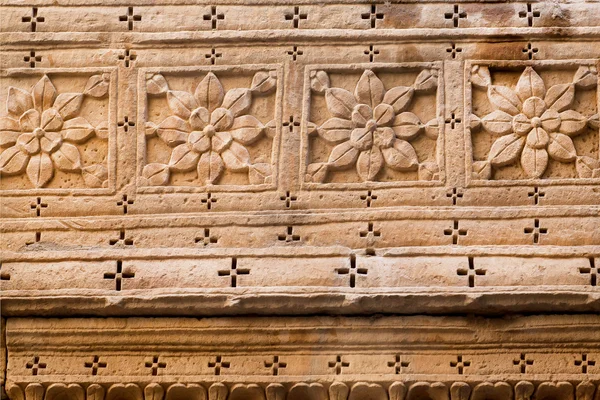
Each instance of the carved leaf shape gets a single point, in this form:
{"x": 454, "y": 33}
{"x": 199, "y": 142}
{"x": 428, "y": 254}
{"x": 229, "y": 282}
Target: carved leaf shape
{"x": 319, "y": 81}
{"x": 209, "y": 92}
{"x": 460, "y": 391}
{"x": 217, "y": 391}
{"x": 192, "y": 391}
{"x": 9, "y": 131}
{"x": 95, "y": 392}
{"x": 246, "y": 129}
{"x": 236, "y": 158}
{"x": 40, "y": 169}
{"x": 335, "y": 130}
{"x": 504, "y": 99}
{"x": 238, "y": 101}
{"x": 67, "y": 158}
{"x": 481, "y": 170}
{"x": 156, "y": 174}
{"x": 506, "y": 150}
{"x": 585, "y": 391}
{"x": 259, "y": 173}
{"x": 426, "y": 80}
{"x": 18, "y": 101}
{"x": 523, "y": 390}
{"x": 367, "y": 391}
{"x": 340, "y": 102}
{"x": 97, "y": 86}
{"x": 77, "y": 130}
{"x": 586, "y": 77}
{"x": 488, "y": 390}
{"x": 342, "y": 156}
{"x": 156, "y": 84}
{"x": 30, "y": 120}
{"x": 498, "y": 122}
{"x": 60, "y": 391}
{"x": 68, "y": 104}
{"x": 369, "y": 163}
{"x": 247, "y": 392}
{"x": 561, "y": 148}
{"x": 585, "y": 166}
{"x": 14, "y": 392}
{"x": 316, "y": 172}
{"x": 407, "y": 126}
{"x": 369, "y": 89}
{"x": 480, "y": 76}
{"x": 34, "y": 391}
{"x": 399, "y": 97}
{"x": 572, "y": 123}
{"x": 401, "y": 156}
{"x": 183, "y": 158}
{"x": 530, "y": 84}
{"x": 428, "y": 171}
{"x": 153, "y": 391}
{"x": 383, "y": 114}
{"x": 560, "y": 97}
{"x": 44, "y": 94}
{"x": 397, "y": 391}
{"x": 534, "y": 161}
{"x": 426, "y": 390}
{"x": 94, "y": 176}
{"x": 276, "y": 391}
{"x": 51, "y": 120}
{"x": 173, "y": 131}
{"x": 13, "y": 161}
{"x": 119, "y": 391}
{"x": 210, "y": 167}
{"x": 264, "y": 81}
{"x": 556, "y": 390}
{"x": 432, "y": 129}
{"x": 181, "y": 103}
{"x": 338, "y": 391}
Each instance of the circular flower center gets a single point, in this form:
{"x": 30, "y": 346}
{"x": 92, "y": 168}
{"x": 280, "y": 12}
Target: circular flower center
{"x": 39, "y": 133}
{"x": 536, "y": 122}
{"x": 210, "y": 131}
{"x": 371, "y": 125}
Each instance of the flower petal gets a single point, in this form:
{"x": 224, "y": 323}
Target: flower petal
{"x": 30, "y": 120}
{"x": 572, "y": 123}
{"x": 221, "y": 141}
{"x": 67, "y": 158}
{"x": 530, "y": 85}
{"x": 504, "y": 99}
{"x": 199, "y": 118}
{"x": 534, "y": 161}
{"x": 384, "y": 137}
{"x": 340, "y": 102}
{"x": 238, "y": 101}
{"x": 28, "y": 143}
{"x": 183, "y": 158}
{"x": 236, "y": 157}
{"x": 383, "y": 114}
{"x": 246, "y": 129}
{"x": 97, "y": 86}
{"x": 506, "y": 150}
{"x": 407, "y": 126}
{"x": 361, "y": 138}
{"x": 156, "y": 174}
{"x": 199, "y": 141}
{"x": 538, "y": 138}
{"x": 550, "y": 120}
{"x": 534, "y": 107}
{"x": 586, "y": 77}
{"x": 51, "y": 120}
{"x": 222, "y": 119}
{"x": 68, "y": 104}
{"x": 369, "y": 89}
{"x": 10, "y": 129}
{"x": 335, "y": 130}
{"x": 342, "y": 156}
{"x": 209, "y": 92}
{"x": 560, "y": 97}
{"x": 401, "y": 156}
{"x": 50, "y": 142}
{"x": 13, "y": 161}
{"x": 361, "y": 114}
{"x": 561, "y": 148}
{"x": 210, "y": 167}
{"x": 173, "y": 131}
{"x": 369, "y": 163}
{"x": 44, "y": 94}
{"x": 18, "y": 101}
{"x": 40, "y": 169}
{"x": 181, "y": 103}
{"x": 498, "y": 122}
{"x": 77, "y": 130}
{"x": 399, "y": 97}
{"x": 521, "y": 124}
{"x": 264, "y": 82}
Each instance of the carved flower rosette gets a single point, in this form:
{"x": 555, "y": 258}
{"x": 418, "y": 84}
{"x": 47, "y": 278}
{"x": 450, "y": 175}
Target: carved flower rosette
{"x": 372, "y": 132}
{"x": 533, "y": 124}
{"x": 209, "y": 133}
{"x": 46, "y": 132}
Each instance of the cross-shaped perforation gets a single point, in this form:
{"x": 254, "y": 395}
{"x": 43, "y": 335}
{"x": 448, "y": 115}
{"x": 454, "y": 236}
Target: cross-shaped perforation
{"x": 373, "y": 15}
{"x": 130, "y": 18}
{"x": 275, "y": 365}
{"x": 338, "y": 364}
{"x": 456, "y": 15}
{"x": 398, "y": 364}
{"x": 218, "y": 364}
{"x": 155, "y": 365}
{"x": 233, "y": 272}
{"x": 295, "y": 17}
{"x": 32, "y": 59}
{"x": 34, "y": 19}
{"x": 213, "y": 17}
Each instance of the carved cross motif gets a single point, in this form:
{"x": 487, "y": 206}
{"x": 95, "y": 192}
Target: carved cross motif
{"x": 368, "y": 198}
{"x": 124, "y": 202}
{"x": 454, "y": 50}
{"x": 126, "y": 124}
{"x": 370, "y": 233}
{"x": 207, "y": 238}
{"x": 32, "y": 59}
{"x": 460, "y": 365}
{"x": 592, "y": 270}
{"x": 584, "y": 363}
{"x": 234, "y": 272}
{"x": 295, "y": 52}
{"x": 37, "y": 207}
{"x": 154, "y": 365}
{"x": 455, "y": 15}
{"x": 291, "y": 124}
{"x": 530, "y": 51}
{"x": 523, "y": 362}
{"x": 218, "y": 364}
{"x": 213, "y": 17}
{"x": 121, "y": 239}
{"x": 289, "y": 236}
{"x": 213, "y": 55}
{"x": 453, "y": 120}
{"x": 288, "y": 198}
{"x": 295, "y": 17}
{"x": 398, "y": 364}
{"x": 208, "y": 200}
{"x": 372, "y": 15}
{"x": 471, "y": 272}
{"x": 353, "y": 271}
{"x": 529, "y": 14}
{"x": 127, "y": 57}
{"x": 455, "y": 232}
{"x": 338, "y": 364}
{"x": 536, "y": 194}
{"x": 275, "y": 365}
{"x": 95, "y": 364}
{"x": 34, "y": 19}
{"x": 536, "y": 231}
{"x": 119, "y": 275}
{"x": 371, "y": 52}
{"x": 455, "y": 194}
{"x": 35, "y": 365}
{"x": 130, "y": 18}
